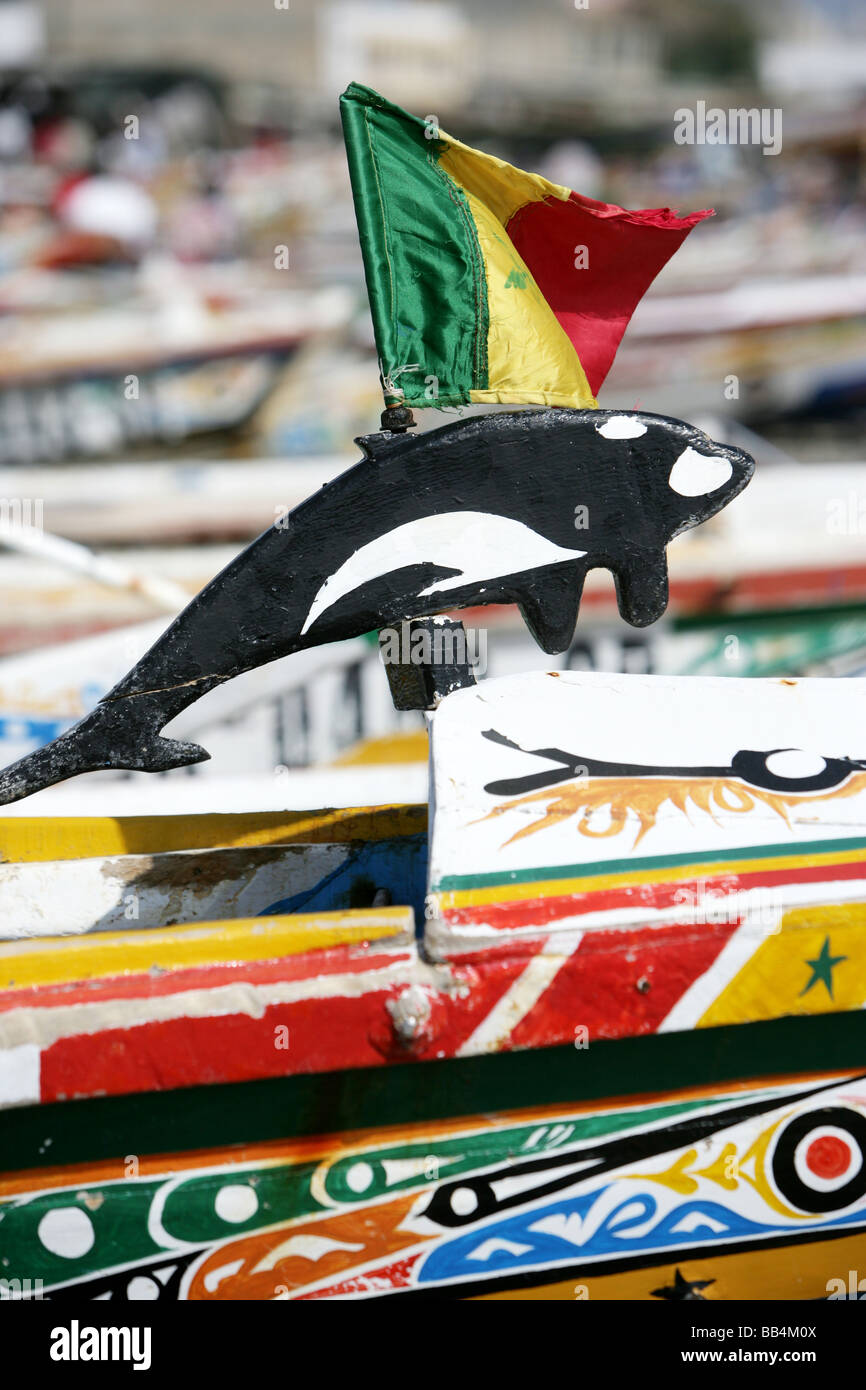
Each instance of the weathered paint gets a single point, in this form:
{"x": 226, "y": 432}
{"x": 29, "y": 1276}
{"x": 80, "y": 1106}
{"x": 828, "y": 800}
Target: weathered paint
{"x": 70, "y": 896}
{"x": 136, "y": 1011}
{"x": 729, "y": 1186}
{"x": 276, "y": 1001}
{"x": 105, "y": 955}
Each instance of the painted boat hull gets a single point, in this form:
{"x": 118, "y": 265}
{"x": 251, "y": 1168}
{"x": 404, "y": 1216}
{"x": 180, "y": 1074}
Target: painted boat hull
{"x": 624, "y": 1057}
{"x": 378, "y": 1183}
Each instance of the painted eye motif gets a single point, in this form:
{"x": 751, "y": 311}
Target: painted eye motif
{"x": 794, "y": 764}
{"x": 695, "y": 474}
{"x": 818, "y": 1160}
{"x": 791, "y": 770}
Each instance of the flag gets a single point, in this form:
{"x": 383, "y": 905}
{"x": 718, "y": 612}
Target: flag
{"x": 489, "y": 284}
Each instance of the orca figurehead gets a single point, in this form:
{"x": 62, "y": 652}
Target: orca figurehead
{"x": 689, "y": 476}
{"x": 507, "y": 507}
{"x": 644, "y": 478}
{"x": 517, "y": 506}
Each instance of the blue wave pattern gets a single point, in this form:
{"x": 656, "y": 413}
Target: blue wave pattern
{"x": 518, "y": 1243}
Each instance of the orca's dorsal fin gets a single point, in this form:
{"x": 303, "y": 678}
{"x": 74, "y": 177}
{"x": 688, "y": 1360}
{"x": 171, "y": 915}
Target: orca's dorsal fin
{"x": 376, "y": 446}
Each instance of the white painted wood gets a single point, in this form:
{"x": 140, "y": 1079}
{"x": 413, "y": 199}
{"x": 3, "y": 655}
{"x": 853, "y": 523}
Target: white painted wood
{"x": 694, "y": 474}
{"x": 652, "y": 722}
{"x": 19, "y": 1075}
{"x": 477, "y": 545}
{"x": 69, "y": 897}
{"x": 622, "y": 427}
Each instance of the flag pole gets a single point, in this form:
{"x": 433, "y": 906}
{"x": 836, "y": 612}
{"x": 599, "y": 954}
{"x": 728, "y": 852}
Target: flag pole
{"x": 397, "y": 417}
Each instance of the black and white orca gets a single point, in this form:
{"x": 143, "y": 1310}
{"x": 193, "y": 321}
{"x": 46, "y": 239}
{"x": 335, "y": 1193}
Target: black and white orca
{"x": 510, "y": 507}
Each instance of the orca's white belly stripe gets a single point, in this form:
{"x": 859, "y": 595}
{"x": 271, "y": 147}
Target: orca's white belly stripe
{"x": 478, "y": 545}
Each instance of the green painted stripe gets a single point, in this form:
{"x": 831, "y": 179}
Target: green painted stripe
{"x": 457, "y": 882}
{"x": 250, "y": 1112}
{"x": 423, "y": 263}
{"x": 775, "y": 618}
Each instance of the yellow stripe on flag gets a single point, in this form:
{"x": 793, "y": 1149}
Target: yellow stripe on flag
{"x": 502, "y": 187}
{"x": 530, "y": 358}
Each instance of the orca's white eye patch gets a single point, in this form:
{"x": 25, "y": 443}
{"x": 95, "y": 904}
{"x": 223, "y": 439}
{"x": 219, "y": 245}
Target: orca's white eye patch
{"x": 622, "y": 427}
{"x": 795, "y": 763}
{"x": 694, "y": 474}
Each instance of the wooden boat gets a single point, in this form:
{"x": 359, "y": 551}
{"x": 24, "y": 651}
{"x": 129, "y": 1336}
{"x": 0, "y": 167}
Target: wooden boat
{"x": 190, "y": 368}
{"x": 623, "y": 1058}
{"x": 589, "y": 1027}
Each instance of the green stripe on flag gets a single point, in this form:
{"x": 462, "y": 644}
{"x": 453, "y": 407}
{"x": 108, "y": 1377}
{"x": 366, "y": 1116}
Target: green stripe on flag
{"x": 425, "y": 273}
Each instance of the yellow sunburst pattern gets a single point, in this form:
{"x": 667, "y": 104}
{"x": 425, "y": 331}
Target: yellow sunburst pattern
{"x": 643, "y": 797}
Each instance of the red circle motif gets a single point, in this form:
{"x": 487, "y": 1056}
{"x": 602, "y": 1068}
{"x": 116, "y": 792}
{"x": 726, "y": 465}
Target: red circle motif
{"x": 828, "y": 1156}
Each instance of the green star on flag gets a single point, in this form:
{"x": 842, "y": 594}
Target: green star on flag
{"x": 822, "y": 968}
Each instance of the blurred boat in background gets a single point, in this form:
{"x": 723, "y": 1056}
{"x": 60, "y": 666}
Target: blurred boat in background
{"x": 94, "y": 380}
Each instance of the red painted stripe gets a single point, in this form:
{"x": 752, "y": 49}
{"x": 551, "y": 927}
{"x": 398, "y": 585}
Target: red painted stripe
{"x": 620, "y": 983}
{"x": 343, "y": 960}
{"x": 504, "y": 948}
{"x": 325, "y": 1034}
{"x": 481, "y": 986}
{"x": 536, "y": 912}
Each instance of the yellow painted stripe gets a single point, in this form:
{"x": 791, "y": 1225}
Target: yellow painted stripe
{"x": 40, "y": 961}
{"x": 600, "y": 883}
{"x": 409, "y": 746}
{"x": 773, "y": 980}
{"x": 25, "y": 839}
{"x": 790, "y": 1273}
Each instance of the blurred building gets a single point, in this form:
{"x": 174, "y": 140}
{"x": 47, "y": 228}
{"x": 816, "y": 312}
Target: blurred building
{"x": 498, "y": 60}
{"x": 491, "y": 62}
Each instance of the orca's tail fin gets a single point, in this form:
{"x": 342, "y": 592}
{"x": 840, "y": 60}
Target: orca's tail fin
{"x": 113, "y": 735}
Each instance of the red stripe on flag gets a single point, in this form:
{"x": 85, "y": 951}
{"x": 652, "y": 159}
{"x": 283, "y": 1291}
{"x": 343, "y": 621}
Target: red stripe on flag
{"x": 624, "y": 253}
